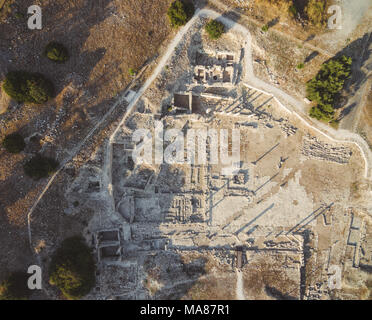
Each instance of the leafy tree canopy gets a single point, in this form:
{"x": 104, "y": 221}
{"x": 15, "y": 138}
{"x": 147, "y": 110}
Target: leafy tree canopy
{"x": 215, "y": 29}
{"x": 56, "y": 52}
{"x": 29, "y": 87}
{"x": 180, "y": 12}
{"x": 40, "y": 167}
{"x": 326, "y": 86}
{"x": 14, "y": 143}
{"x": 72, "y": 268}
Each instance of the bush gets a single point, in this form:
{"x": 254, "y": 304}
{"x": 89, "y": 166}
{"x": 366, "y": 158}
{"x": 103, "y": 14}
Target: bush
{"x": 28, "y": 87}
{"x": 265, "y": 28}
{"x": 56, "y": 52}
{"x": 180, "y": 12}
{"x": 300, "y": 66}
{"x": 14, "y": 143}
{"x": 315, "y": 11}
{"x": 40, "y": 167}
{"x": 132, "y": 72}
{"x": 15, "y": 287}
{"x": 292, "y": 10}
{"x": 326, "y": 86}
{"x": 72, "y": 268}
{"x": 215, "y": 29}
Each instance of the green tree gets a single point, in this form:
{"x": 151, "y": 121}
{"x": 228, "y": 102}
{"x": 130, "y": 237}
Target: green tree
{"x": 40, "y": 167}
{"x": 179, "y": 12}
{"x": 14, "y": 143}
{"x": 72, "y": 268}
{"x": 215, "y": 29}
{"x": 56, "y": 52}
{"x": 15, "y": 287}
{"x": 29, "y": 87}
{"x": 326, "y": 86}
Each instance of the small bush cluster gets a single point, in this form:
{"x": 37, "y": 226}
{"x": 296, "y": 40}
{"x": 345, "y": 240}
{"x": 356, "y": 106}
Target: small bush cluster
{"x": 215, "y": 29}
{"x": 326, "y": 86}
{"x": 292, "y": 10}
{"x": 301, "y": 66}
{"x": 29, "y": 87}
{"x": 14, "y": 143}
{"x": 56, "y": 52}
{"x": 315, "y": 11}
{"x": 40, "y": 167}
{"x": 72, "y": 268}
{"x": 179, "y": 12}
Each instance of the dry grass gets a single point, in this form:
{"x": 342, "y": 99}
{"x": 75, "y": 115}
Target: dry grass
{"x": 368, "y": 109}
{"x": 365, "y": 124}
{"x": 104, "y": 38}
{"x": 5, "y": 9}
{"x": 213, "y": 288}
{"x": 265, "y": 273}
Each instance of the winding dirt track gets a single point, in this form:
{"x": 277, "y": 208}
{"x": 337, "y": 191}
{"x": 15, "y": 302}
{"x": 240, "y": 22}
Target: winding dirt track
{"x": 294, "y": 106}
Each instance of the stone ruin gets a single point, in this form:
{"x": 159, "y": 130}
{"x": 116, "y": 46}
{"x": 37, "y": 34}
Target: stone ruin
{"x": 220, "y": 72}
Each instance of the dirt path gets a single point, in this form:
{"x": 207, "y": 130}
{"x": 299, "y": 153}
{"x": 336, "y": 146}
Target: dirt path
{"x": 344, "y": 135}
{"x": 239, "y": 286}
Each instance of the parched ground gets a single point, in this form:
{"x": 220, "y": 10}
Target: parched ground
{"x": 365, "y": 124}
{"x": 292, "y": 215}
{"x": 290, "y": 42}
{"x": 317, "y": 172}
{"x": 104, "y": 38}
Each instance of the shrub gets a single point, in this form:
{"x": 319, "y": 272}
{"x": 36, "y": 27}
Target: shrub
{"x": 315, "y": 11}
{"x": 180, "y": 12}
{"x": 132, "y": 72}
{"x": 28, "y": 87}
{"x": 265, "y": 28}
{"x": 292, "y": 10}
{"x": 56, "y": 52}
{"x": 15, "y": 287}
{"x": 214, "y": 29}
{"x": 72, "y": 268}
{"x": 19, "y": 15}
{"x": 40, "y": 167}
{"x": 301, "y": 66}
{"x": 14, "y": 143}
{"x": 326, "y": 86}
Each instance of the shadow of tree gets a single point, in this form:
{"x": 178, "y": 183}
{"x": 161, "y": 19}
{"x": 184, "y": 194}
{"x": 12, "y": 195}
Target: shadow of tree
{"x": 277, "y": 294}
{"x": 273, "y": 22}
{"x": 311, "y": 56}
{"x": 357, "y": 50}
